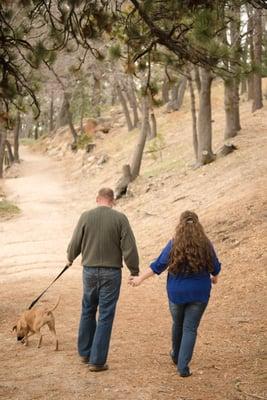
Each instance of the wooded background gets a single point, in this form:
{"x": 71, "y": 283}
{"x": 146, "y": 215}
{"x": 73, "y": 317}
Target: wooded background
{"x": 64, "y": 61}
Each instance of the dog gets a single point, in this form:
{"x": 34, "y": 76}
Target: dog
{"x": 31, "y": 321}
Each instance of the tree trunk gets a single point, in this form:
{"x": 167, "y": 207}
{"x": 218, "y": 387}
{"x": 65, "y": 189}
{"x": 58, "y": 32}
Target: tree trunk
{"x": 197, "y": 78}
{"x": 165, "y": 90}
{"x": 138, "y": 155}
{"x": 63, "y": 114}
{"x": 205, "y": 154}
{"x": 257, "y": 83}
{"x": 236, "y": 105}
{"x": 153, "y": 131}
{"x": 251, "y": 50}
{"x": 69, "y": 119}
{"x": 16, "y": 138}
{"x": 9, "y": 153}
{"x": 243, "y": 88}
{"x": 236, "y": 42}
{"x": 124, "y": 107}
{"x": 178, "y": 92}
{"x": 2, "y": 151}
{"x": 96, "y": 100}
{"x": 123, "y": 182}
{"x": 82, "y": 112}
{"x": 229, "y": 130}
{"x": 130, "y": 91}
{"x": 231, "y": 84}
{"x": 193, "y": 112}
{"x": 36, "y": 133}
{"x": 51, "y": 114}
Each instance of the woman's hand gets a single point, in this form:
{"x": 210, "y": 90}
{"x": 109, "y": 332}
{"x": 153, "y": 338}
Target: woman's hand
{"x": 214, "y": 279}
{"x": 135, "y": 280}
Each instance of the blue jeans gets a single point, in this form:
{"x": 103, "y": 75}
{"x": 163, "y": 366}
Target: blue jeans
{"x": 101, "y": 289}
{"x": 186, "y": 318}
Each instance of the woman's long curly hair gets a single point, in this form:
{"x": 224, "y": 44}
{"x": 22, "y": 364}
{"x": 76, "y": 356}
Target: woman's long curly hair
{"x": 191, "y": 252}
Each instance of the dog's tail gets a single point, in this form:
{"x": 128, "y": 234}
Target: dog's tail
{"x": 57, "y": 303}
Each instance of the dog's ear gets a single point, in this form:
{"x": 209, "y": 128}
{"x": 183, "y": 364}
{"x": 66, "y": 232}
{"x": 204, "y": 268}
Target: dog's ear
{"x": 14, "y": 328}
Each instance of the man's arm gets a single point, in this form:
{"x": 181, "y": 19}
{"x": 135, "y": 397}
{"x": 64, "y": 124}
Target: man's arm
{"x": 129, "y": 248}
{"x": 74, "y": 247}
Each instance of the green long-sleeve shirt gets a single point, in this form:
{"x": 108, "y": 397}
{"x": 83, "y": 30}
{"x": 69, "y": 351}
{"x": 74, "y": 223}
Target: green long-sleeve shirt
{"x": 104, "y": 237}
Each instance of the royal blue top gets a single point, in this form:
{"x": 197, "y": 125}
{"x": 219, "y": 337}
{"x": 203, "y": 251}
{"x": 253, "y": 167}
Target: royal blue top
{"x": 185, "y": 288}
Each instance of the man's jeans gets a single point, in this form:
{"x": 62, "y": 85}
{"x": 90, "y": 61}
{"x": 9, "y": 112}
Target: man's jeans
{"x": 186, "y": 318}
{"x": 101, "y": 288}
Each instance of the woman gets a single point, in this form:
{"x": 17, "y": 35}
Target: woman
{"x": 192, "y": 266}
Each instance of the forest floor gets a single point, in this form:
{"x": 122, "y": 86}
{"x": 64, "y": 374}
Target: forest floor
{"x": 52, "y": 189}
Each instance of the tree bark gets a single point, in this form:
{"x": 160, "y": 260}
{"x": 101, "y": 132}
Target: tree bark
{"x": 243, "y": 88}
{"x": 96, "y": 100}
{"x": 36, "y": 134}
{"x": 51, "y": 114}
{"x": 197, "y": 78}
{"x": 230, "y": 129}
{"x": 231, "y": 84}
{"x": 16, "y": 138}
{"x": 251, "y": 49}
{"x": 9, "y": 153}
{"x": 82, "y": 112}
{"x": 123, "y": 182}
{"x": 124, "y": 107}
{"x": 69, "y": 119}
{"x": 257, "y": 78}
{"x": 63, "y": 114}
{"x": 178, "y": 92}
{"x": 138, "y": 154}
{"x": 130, "y": 91}
{"x": 205, "y": 154}
{"x": 165, "y": 90}
{"x": 153, "y": 130}
{"x": 2, "y": 151}
{"x": 193, "y": 113}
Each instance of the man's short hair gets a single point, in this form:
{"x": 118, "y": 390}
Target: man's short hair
{"x": 107, "y": 193}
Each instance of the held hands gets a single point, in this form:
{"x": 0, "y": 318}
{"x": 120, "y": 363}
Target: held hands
{"x": 135, "y": 280}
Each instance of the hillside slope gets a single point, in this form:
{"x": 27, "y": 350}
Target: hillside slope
{"x": 230, "y": 198}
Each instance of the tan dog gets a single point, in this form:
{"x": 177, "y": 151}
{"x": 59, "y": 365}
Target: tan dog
{"x": 31, "y": 321}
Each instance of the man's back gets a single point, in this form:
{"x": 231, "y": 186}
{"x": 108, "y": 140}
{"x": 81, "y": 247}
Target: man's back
{"x": 104, "y": 236}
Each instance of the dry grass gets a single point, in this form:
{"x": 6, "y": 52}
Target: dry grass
{"x": 8, "y": 209}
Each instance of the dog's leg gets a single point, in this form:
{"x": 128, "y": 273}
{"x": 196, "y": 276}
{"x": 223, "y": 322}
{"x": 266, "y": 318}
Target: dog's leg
{"x": 25, "y": 341}
{"x": 40, "y": 339}
{"x": 51, "y": 326}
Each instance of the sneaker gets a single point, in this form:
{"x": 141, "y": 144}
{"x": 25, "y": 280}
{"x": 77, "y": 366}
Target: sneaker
{"x": 84, "y": 359}
{"x": 98, "y": 368}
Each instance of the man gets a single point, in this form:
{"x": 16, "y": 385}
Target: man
{"x": 104, "y": 237}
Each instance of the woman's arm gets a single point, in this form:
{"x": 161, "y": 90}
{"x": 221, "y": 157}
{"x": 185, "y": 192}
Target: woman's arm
{"x": 156, "y": 267}
{"x": 137, "y": 280}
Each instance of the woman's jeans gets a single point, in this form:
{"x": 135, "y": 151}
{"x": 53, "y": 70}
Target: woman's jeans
{"x": 101, "y": 289}
{"x": 186, "y": 318}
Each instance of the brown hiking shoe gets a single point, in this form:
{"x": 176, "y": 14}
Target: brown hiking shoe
{"x": 98, "y": 368}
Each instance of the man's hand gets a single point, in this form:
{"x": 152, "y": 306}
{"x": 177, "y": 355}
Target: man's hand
{"x": 69, "y": 263}
{"x": 135, "y": 280}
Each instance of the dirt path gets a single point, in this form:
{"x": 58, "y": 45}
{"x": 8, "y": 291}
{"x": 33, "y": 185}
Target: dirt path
{"x": 228, "y": 359}
{"x": 37, "y": 240}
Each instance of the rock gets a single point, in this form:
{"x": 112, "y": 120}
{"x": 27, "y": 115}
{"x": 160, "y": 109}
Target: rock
{"x": 105, "y": 128}
{"x": 103, "y": 159}
{"x": 89, "y": 147}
